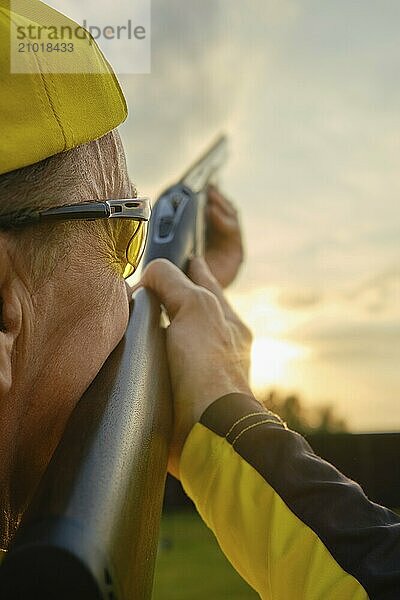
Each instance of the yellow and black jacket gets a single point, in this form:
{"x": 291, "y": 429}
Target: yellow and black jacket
{"x": 290, "y": 523}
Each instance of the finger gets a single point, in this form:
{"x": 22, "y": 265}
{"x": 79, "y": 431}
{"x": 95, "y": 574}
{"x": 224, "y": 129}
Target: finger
{"x": 168, "y": 283}
{"x": 201, "y": 275}
{"x": 221, "y": 221}
{"x": 215, "y": 198}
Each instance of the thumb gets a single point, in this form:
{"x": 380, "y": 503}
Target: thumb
{"x": 200, "y": 273}
{"x": 168, "y": 283}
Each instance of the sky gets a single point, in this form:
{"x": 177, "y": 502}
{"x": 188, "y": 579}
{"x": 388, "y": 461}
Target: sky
{"x": 309, "y": 94}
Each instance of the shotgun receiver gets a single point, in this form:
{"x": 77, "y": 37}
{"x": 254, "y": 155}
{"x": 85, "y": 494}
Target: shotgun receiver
{"x": 91, "y": 531}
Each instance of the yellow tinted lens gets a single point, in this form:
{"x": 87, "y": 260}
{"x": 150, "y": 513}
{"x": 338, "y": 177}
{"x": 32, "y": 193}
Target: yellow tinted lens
{"x": 135, "y": 248}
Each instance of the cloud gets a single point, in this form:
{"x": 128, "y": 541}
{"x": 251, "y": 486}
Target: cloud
{"x": 299, "y": 299}
{"x": 307, "y": 93}
{"x": 379, "y": 294}
{"x": 206, "y": 57}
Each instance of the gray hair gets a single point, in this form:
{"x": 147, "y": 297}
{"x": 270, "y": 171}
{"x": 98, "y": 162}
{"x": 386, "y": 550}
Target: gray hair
{"x": 96, "y": 170}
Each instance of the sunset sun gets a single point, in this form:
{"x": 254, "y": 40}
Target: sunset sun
{"x": 270, "y": 359}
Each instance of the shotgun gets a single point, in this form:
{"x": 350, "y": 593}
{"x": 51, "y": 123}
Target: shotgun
{"x": 91, "y": 531}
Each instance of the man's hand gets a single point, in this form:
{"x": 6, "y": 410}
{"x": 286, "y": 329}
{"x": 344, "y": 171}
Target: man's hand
{"x": 207, "y": 345}
{"x": 224, "y": 247}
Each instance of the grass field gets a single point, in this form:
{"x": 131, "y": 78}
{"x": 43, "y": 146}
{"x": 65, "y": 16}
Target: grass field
{"x": 190, "y": 565}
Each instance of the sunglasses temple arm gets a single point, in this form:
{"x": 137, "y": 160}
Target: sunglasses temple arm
{"x": 86, "y": 211}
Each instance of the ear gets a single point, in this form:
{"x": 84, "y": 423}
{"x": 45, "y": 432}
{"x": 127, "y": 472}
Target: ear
{"x": 10, "y": 319}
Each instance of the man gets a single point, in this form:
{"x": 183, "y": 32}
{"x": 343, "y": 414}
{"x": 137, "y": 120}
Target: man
{"x": 64, "y": 302}
{"x": 290, "y": 523}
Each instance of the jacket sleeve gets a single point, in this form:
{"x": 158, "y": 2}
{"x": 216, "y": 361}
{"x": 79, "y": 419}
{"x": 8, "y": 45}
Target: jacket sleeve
{"x": 289, "y": 522}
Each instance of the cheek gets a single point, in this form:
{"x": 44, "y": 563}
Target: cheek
{"x": 115, "y": 317}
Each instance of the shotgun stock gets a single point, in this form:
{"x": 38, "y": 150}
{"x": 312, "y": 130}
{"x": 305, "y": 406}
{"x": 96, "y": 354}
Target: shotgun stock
{"x": 91, "y": 531}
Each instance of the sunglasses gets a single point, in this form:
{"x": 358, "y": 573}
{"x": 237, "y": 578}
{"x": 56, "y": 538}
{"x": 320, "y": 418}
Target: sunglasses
{"x": 136, "y": 209}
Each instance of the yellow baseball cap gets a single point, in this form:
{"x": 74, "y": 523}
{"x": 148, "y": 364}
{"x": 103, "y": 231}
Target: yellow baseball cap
{"x": 51, "y": 101}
